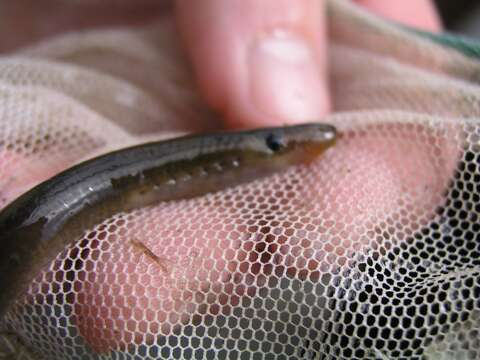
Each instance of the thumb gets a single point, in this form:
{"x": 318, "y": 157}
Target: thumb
{"x": 258, "y": 62}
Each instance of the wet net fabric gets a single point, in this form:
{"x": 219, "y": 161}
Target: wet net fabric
{"x": 371, "y": 252}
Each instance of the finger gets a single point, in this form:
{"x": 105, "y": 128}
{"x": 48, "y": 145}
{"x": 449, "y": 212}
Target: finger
{"x": 417, "y": 13}
{"x": 259, "y": 63}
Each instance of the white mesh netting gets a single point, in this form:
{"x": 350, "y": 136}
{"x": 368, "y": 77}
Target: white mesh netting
{"x": 371, "y": 252}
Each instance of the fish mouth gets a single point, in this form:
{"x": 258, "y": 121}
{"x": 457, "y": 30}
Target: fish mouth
{"x": 313, "y": 150}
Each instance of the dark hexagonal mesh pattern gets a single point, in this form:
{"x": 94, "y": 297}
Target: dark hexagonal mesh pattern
{"x": 279, "y": 268}
{"x": 371, "y": 252}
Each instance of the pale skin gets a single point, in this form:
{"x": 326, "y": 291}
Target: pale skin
{"x": 236, "y": 49}
{"x": 263, "y": 62}
{"x": 257, "y": 62}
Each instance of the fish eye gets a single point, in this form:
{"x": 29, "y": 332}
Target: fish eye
{"x": 274, "y": 142}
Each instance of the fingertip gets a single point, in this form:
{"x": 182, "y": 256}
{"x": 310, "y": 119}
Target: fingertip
{"x": 259, "y": 63}
{"x": 287, "y": 78}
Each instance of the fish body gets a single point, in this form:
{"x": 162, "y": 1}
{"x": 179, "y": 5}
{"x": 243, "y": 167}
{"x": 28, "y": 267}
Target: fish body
{"x": 37, "y": 226}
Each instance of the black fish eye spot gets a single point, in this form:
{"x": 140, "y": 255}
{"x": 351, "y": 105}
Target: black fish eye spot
{"x": 274, "y": 143}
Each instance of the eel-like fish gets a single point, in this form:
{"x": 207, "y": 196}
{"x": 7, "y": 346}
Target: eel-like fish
{"x": 42, "y": 222}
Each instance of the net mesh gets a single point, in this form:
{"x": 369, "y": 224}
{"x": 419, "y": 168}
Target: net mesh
{"x": 371, "y": 252}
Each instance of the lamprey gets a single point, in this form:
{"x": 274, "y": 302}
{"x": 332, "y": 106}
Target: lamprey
{"x": 37, "y": 226}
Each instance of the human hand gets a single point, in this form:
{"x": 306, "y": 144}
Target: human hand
{"x": 366, "y": 175}
{"x": 264, "y": 62}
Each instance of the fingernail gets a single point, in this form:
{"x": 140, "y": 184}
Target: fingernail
{"x": 286, "y": 80}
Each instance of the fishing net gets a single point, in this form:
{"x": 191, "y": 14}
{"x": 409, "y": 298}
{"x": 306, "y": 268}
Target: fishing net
{"x": 371, "y": 252}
